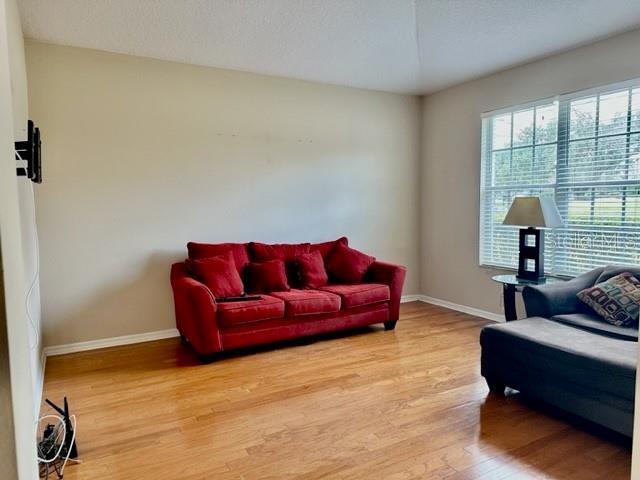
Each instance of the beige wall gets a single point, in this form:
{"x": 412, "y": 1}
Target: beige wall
{"x": 20, "y": 354}
{"x": 141, "y": 156}
{"x": 450, "y": 185}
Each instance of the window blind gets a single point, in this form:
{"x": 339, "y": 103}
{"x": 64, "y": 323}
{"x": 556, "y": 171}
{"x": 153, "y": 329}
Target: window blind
{"x": 583, "y": 150}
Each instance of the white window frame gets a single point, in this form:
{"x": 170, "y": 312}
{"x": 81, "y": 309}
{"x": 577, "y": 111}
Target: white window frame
{"x": 562, "y": 185}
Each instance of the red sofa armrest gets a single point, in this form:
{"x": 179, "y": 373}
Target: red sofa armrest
{"x": 392, "y": 275}
{"x": 195, "y": 311}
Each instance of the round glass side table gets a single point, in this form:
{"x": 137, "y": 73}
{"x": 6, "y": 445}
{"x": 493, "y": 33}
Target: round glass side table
{"x": 512, "y": 284}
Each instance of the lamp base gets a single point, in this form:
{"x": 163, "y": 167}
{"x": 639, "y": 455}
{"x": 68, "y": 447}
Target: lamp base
{"x": 531, "y": 258}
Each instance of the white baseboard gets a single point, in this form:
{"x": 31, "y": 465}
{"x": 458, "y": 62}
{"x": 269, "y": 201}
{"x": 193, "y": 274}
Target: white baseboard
{"x": 110, "y": 342}
{"x": 410, "y": 298}
{"x": 130, "y": 339}
{"x": 476, "y": 312}
{"x": 172, "y": 332}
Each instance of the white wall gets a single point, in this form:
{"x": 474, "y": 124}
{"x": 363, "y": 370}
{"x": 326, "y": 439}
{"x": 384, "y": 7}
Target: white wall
{"x": 11, "y": 240}
{"x": 8, "y": 459}
{"x": 141, "y": 156}
{"x": 26, "y": 198}
{"x": 450, "y": 185}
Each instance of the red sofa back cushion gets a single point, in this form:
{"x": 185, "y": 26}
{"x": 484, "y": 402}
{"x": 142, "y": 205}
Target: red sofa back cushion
{"x": 269, "y": 276}
{"x": 261, "y": 252}
{"x": 219, "y": 274}
{"x": 311, "y": 268}
{"x": 348, "y": 265}
{"x": 325, "y": 248}
{"x": 198, "y": 251}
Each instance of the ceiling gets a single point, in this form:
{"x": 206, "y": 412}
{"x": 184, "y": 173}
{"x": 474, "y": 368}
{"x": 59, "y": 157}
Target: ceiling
{"x": 406, "y": 46}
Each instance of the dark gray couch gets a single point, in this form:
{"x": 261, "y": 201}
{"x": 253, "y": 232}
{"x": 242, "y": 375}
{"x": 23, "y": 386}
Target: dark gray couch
{"x": 564, "y": 354}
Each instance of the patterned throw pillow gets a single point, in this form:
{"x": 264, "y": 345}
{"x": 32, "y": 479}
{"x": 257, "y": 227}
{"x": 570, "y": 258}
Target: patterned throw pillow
{"x": 617, "y": 300}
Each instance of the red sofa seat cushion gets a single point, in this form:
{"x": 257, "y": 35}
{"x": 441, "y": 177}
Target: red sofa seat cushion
{"x": 240, "y": 253}
{"x": 311, "y": 268}
{"x": 238, "y": 313}
{"x": 308, "y": 302}
{"x": 360, "y": 294}
{"x": 348, "y": 265}
{"x": 219, "y": 274}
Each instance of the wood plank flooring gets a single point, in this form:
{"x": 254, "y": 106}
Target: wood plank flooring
{"x": 405, "y": 404}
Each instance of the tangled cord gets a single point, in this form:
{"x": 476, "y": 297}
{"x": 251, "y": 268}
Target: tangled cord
{"x": 50, "y": 453}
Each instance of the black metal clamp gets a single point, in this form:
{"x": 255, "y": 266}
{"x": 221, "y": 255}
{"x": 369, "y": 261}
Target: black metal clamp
{"x": 29, "y": 151}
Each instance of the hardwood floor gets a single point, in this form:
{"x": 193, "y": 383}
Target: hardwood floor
{"x": 403, "y": 404}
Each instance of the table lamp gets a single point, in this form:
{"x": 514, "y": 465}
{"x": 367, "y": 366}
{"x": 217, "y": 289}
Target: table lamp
{"x": 534, "y": 213}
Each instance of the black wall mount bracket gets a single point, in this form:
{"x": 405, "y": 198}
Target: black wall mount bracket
{"x": 29, "y": 151}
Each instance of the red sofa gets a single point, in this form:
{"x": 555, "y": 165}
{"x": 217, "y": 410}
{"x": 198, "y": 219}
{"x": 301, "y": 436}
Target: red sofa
{"x": 210, "y": 326}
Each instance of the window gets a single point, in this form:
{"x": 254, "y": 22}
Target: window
{"x": 584, "y": 151}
